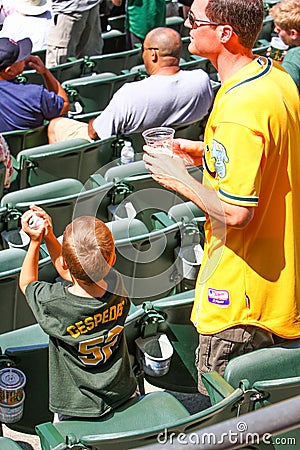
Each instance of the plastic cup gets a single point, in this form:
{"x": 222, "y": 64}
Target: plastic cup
{"x": 160, "y": 138}
{"x": 277, "y": 49}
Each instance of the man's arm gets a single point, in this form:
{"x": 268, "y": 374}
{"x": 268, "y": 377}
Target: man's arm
{"x": 171, "y": 173}
{"x": 91, "y": 131}
{"x": 52, "y": 84}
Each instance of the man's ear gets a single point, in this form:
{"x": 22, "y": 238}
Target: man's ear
{"x": 226, "y": 33}
{"x": 154, "y": 55}
{"x": 9, "y": 71}
{"x": 63, "y": 263}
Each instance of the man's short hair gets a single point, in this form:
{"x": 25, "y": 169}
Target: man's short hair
{"x": 87, "y": 248}
{"x": 245, "y": 17}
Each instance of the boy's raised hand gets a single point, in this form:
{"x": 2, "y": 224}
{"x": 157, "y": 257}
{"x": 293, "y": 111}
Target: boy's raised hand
{"x": 41, "y": 227}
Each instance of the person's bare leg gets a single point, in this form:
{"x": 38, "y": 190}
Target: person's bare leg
{"x": 51, "y": 129}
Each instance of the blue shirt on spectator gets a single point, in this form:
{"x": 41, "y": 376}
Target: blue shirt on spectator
{"x": 26, "y": 106}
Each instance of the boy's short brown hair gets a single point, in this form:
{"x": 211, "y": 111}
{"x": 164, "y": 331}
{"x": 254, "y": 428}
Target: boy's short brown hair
{"x": 88, "y": 248}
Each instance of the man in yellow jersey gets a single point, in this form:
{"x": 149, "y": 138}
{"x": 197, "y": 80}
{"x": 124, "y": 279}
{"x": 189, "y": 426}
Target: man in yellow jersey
{"x": 248, "y": 288}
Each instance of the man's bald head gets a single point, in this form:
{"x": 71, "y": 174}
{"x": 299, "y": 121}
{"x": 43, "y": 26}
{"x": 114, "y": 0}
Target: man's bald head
{"x": 167, "y": 40}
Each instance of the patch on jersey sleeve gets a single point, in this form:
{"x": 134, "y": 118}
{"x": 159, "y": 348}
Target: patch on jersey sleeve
{"x": 219, "y": 154}
{"x": 219, "y": 297}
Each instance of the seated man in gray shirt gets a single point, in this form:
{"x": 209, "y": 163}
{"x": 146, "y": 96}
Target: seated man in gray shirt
{"x": 169, "y": 96}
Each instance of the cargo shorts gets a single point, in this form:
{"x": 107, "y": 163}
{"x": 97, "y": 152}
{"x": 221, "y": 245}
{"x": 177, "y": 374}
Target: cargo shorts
{"x": 214, "y": 351}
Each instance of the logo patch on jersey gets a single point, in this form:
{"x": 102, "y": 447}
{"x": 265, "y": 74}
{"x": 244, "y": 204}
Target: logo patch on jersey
{"x": 219, "y": 154}
{"x": 205, "y": 163}
{"x": 219, "y": 297}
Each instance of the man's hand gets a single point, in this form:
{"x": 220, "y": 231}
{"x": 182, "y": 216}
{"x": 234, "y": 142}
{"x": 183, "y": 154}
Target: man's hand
{"x": 35, "y": 62}
{"x": 189, "y": 151}
{"x": 169, "y": 171}
{"x": 91, "y": 131}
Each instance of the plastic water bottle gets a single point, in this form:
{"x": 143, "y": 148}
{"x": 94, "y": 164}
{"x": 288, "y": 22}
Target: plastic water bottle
{"x": 127, "y": 153}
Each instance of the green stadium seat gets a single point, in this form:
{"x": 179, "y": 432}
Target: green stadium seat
{"x": 267, "y": 376}
{"x": 117, "y": 22}
{"x": 93, "y": 93}
{"x": 20, "y": 139}
{"x": 114, "y": 41}
{"x": 15, "y": 312}
{"x": 267, "y": 29}
{"x": 116, "y": 62}
{"x": 175, "y": 22}
{"x": 146, "y": 263}
{"x": 123, "y": 229}
{"x": 140, "y": 425}
{"x": 32, "y": 360}
{"x": 186, "y": 212}
{"x": 62, "y": 199}
{"x": 76, "y": 158}
{"x": 278, "y": 361}
{"x": 193, "y": 131}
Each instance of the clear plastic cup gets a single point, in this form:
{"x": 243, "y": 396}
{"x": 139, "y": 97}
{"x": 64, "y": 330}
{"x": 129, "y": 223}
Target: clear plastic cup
{"x": 160, "y": 138}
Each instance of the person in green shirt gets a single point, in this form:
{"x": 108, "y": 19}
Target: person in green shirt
{"x": 286, "y": 15}
{"x": 141, "y": 17}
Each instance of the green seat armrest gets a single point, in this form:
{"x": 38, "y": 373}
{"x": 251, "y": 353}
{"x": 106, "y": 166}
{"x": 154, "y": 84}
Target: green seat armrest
{"x": 216, "y": 386}
{"x": 50, "y": 437}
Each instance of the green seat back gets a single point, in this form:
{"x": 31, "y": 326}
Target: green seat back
{"x": 70, "y": 70}
{"x": 94, "y": 92}
{"x": 10, "y": 263}
{"x": 75, "y": 158}
{"x": 116, "y": 62}
{"x": 118, "y": 173}
{"x": 278, "y": 361}
{"x": 198, "y": 63}
{"x": 62, "y": 199}
{"x": 267, "y": 376}
{"x": 14, "y": 310}
{"x": 20, "y": 139}
{"x": 267, "y": 29}
{"x": 117, "y": 22}
{"x": 146, "y": 263}
{"x": 114, "y": 41}
{"x": 193, "y": 131}
{"x": 27, "y": 348}
{"x": 175, "y": 22}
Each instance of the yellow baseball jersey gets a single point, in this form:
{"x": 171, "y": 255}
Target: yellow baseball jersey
{"x": 251, "y": 158}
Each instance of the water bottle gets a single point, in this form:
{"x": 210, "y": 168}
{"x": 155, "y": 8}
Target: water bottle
{"x": 127, "y": 153}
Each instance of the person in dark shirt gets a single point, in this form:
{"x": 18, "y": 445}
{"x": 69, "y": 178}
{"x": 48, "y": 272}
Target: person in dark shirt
{"x": 90, "y": 370}
{"x": 26, "y": 106}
